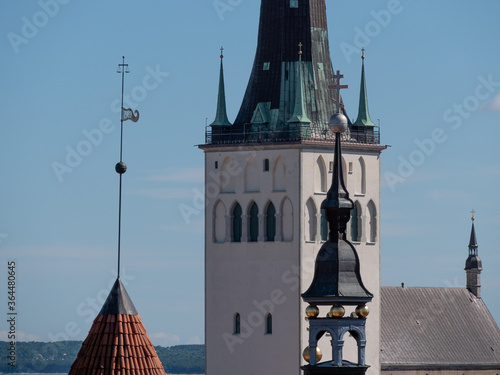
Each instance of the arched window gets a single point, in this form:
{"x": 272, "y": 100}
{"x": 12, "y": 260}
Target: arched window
{"x": 344, "y": 170}
{"x": 287, "y": 220}
{"x": 279, "y": 175}
{"x": 320, "y": 176}
{"x": 324, "y": 226}
{"x": 219, "y": 222}
{"x": 254, "y": 223}
{"x": 361, "y": 177}
{"x": 270, "y": 222}
{"x": 252, "y": 176}
{"x": 269, "y": 324}
{"x": 227, "y": 177}
{"x": 237, "y": 324}
{"x": 372, "y": 211}
{"x": 236, "y": 223}
{"x": 310, "y": 221}
{"x": 356, "y": 223}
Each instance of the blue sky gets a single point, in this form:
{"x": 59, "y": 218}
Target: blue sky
{"x": 433, "y": 79}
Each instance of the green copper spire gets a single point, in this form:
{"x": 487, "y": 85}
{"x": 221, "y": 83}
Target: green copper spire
{"x": 221, "y": 116}
{"x": 299, "y": 110}
{"x": 363, "y": 114}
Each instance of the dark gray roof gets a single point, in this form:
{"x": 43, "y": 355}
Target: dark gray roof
{"x": 436, "y": 326}
{"x": 118, "y": 301}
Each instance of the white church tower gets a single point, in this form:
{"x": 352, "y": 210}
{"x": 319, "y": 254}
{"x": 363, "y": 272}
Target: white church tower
{"x": 266, "y": 176}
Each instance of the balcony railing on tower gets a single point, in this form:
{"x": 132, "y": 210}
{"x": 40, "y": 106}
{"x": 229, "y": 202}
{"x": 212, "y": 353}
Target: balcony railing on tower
{"x": 251, "y": 133}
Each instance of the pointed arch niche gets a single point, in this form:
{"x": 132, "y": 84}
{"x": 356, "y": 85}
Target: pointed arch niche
{"x": 287, "y": 220}
{"x": 361, "y": 176}
{"x": 219, "y": 222}
{"x": 227, "y": 178}
{"x": 252, "y": 176}
{"x": 279, "y": 175}
{"x": 344, "y": 170}
{"x": 320, "y": 175}
{"x": 310, "y": 221}
{"x": 372, "y": 213}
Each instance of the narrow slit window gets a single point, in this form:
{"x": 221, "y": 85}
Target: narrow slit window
{"x": 269, "y": 324}
{"x": 266, "y": 165}
{"x": 237, "y": 324}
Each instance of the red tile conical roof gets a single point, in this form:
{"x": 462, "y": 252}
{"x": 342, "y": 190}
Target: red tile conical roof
{"x": 117, "y": 343}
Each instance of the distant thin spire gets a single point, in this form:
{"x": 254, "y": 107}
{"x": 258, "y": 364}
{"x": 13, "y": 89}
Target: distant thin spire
{"x": 221, "y": 115}
{"x": 299, "y": 109}
{"x": 363, "y": 114}
{"x": 473, "y": 264}
{"x": 473, "y": 240}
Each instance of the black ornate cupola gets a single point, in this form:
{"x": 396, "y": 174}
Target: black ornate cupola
{"x": 337, "y": 279}
{"x": 473, "y": 265}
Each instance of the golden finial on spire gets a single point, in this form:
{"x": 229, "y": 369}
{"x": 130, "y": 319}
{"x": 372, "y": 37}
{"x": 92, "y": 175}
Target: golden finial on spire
{"x": 363, "y": 53}
{"x": 300, "y": 48}
{"x": 473, "y": 212}
{"x": 221, "y": 52}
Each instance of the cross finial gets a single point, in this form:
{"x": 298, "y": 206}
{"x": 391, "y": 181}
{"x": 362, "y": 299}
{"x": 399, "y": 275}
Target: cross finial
{"x": 363, "y": 53}
{"x": 336, "y": 89}
{"x": 473, "y": 212}
{"x": 123, "y": 68}
{"x": 221, "y": 52}
{"x": 300, "y": 48}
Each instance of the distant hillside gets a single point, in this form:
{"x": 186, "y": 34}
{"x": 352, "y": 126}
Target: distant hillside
{"x": 57, "y": 357}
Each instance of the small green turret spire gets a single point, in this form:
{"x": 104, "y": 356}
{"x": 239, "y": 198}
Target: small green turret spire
{"x": 299, "y": 109}
{"x": 363, "y": 114}
{"x": 221, "y": 116}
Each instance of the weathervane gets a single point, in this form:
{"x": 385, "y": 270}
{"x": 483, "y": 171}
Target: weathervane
{"x": 121, "y": 167}
{"x": 336, "y": 90}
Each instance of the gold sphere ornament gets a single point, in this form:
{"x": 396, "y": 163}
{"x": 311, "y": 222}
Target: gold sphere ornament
{"x": 307, "y": 354}
{"x": 312, "y": 311}
{"x": 337, "y": 311}
{"x": 362, "y": 310}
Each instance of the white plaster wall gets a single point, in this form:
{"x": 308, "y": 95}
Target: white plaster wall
{"x": 251, "y": 278}
{"x": 369, "y": 253}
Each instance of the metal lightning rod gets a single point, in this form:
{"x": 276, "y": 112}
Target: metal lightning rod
{"x": 121, "y": 167}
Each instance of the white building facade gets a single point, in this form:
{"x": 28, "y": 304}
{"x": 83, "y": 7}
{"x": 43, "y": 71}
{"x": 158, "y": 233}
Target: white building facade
{"x": 263, "y": 229}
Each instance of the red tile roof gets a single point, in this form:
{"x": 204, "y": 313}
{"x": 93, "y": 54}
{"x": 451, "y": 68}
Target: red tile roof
{"x": 117, "y": 344}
